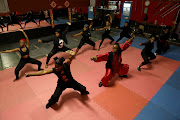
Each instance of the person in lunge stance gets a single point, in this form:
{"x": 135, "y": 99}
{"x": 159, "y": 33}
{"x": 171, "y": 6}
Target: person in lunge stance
{"x": 65, "y": 79}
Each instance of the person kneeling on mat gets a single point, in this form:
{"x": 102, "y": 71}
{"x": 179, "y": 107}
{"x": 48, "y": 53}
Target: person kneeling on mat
{"x": 114, "y": 60}
{"x": 62, "y": 70}
{"x": 146, "y": 52}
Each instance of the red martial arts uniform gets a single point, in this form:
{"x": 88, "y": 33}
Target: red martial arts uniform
{"x": 114, "y": 64}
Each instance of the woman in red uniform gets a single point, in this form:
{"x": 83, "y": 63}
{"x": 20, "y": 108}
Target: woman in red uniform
{"x": 114, "y": 60}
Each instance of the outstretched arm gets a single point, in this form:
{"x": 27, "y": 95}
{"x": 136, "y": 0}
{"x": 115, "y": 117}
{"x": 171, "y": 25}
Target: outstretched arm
{"x": 100, "y": 29}
{"x": 72, "y": 54}
{"x": 43, "y": 72}
{"x": 99, "y": 58}
{"x": 77, "y": 34}
{"x": 91, "y": 23}
{"x": 127, "y": 43}
{"x": 8, "y": 51}
{"x": 143, "y": 43}
{"x": 27, "y": 39}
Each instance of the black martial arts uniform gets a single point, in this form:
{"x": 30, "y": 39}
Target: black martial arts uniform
{"x": 146, "y": 52}
{"x": 106, "y": 35}
{"x": 162, "y": 44}
{"x": 13, "y": 20}
{"x": 57, "y": 44}
{"x": 65, "y": 81}
{"x": 42, "y": 17}
{"x": 30, "y": 18}
{"x": 86, "y": 34}
{"x": 2, "y": 25}
{"x": 125, "y": 33}
{"x": 23, "y": 61}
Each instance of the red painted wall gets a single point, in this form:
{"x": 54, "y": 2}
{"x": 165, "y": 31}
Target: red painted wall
{"x": 137, "y": 9}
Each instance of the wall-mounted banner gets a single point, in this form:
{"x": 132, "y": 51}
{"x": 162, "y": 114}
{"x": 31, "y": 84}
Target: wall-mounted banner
{"x": 4, "y": 7}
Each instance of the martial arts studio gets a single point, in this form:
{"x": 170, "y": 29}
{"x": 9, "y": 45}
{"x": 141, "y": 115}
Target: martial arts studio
{"x": 89, "y": 60}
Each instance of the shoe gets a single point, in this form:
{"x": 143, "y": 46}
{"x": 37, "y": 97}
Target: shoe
{"x": 40, "y": 69}
{"x": 100, "y": 84}
{"x": 85, "y": 93}
{"x": 48, "y": 105}
{"x": 138, "y": 68}
{"x": 125, "y": 76}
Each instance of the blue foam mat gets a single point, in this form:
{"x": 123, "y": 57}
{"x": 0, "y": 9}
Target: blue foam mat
{"x": 154, "y": 112}
{"x": 174, "y": 80}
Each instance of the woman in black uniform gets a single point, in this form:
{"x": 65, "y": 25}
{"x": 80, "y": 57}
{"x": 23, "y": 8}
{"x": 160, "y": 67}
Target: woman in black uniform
{"x": 58, "y": 43}
{"x": 146, "y": 52}
{"x": 2, "y": 25}
{"x": 42, "y": 17}
{"x": 126, "y": 31}
{"x": 24, "y": 51}
{"x": 13, "y": 20}
{"x": 86, "y": 34}
{"x": 65, "y": 78}
{"x": 107, "y": 31}
{"x": 30, "y": 18}
{"x": 162, "y": 44}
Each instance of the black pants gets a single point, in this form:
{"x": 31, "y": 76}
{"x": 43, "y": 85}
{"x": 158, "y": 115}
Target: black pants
{"x": 162, "y": 46}
{"x": 30, "y": 20}
{"x": 13, "y": 22}
{"x": 54, "y": 51}
{"x": 61, "y": 86}
{"x": 23, "y": 62}
{"x": 1, "y": 27}
{"x": 147, "y": 57}
{"x": 88, "y": 41}
{"x": 1, "y": 23}
{"x": 105, "y": 35}
{"x": 43, "y": 19}
{"x": 123, "y": 34}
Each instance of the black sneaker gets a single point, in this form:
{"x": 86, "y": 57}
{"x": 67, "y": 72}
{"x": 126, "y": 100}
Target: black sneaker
{"x": 48, "y": 105}
{"x": 85, "y": 93}
{"x": 138, "y": 68}
{"x": 100, "y": 84}
{"x": 40, "y": 69}
{"x": 125, "y": 76}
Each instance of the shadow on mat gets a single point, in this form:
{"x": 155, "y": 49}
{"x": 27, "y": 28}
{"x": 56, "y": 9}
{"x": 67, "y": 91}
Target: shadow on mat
{"x": 83, "y": 50}
{"x": 117, "y": 78}
{"x": 70, "y": 96}
{"x": 27, "y": 68}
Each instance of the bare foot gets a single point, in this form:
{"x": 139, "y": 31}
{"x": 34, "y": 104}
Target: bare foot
{"x": 15, "y": 80}
{"x": 99, "y": 49}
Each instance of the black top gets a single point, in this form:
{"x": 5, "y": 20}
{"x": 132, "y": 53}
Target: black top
{"x": 13, "y": 18}
{"x": 86, "y": 34}
{"x": 164, "y": 36}
{"x": 24, "y": 53}
{"x": 42, "y": 15}
{"x": 30, "y": 16}
{"x": 56, "y": 39}
{"x": 107, "y": 31}
{"x": 148, "y": 47}
{"x": 126, "y": 29}
{"x": 67, "y": 73}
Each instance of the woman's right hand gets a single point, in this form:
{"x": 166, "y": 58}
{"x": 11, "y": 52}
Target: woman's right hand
{"x": 39, "y": 41}
{"x": 140, "y": 44}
